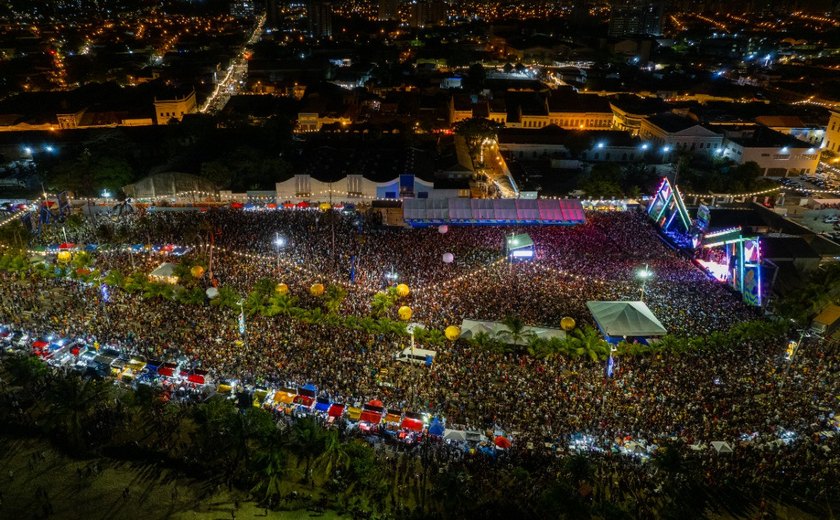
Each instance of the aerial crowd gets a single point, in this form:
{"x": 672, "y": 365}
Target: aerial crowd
{"x": 774, "y": 414}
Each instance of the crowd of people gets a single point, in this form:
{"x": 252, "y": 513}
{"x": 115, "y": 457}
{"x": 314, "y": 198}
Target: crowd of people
{"x": 775, "y": 414}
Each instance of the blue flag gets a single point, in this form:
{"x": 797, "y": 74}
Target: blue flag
{"x": 242, "y": 322}
{"x": 353, "y": 269}
{"x": 45, "y": 214}
{"x": 610, "y": 366}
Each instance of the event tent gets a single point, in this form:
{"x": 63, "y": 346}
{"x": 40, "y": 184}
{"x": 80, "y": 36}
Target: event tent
{"x": 626, "y": 319}
{"x": 721, "y": 447}
{"x": 469, "y": 328}
{"x": 425, "y": 212}
{"x": 165, "y": 272}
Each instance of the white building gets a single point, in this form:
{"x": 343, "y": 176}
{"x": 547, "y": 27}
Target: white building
{"x": 357, "y": 188}
{"x": 672, "y": 132}
{"x": 777, "y": 154}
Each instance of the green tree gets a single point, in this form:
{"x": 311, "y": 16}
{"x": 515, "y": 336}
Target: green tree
{"x": 515, "y": 332}
{"x": 308, "y": 440}
{"x": 334, "y": 296}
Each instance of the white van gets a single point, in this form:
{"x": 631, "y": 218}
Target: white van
{"x": 417, "y": 355}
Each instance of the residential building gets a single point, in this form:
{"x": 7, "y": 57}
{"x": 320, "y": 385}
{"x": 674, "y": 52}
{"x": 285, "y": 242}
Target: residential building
{"x": 636, "y": 17}
{"x": 389, "y": 9}
{"x": 426, "y": 13}
{"x": 319, "y": 13}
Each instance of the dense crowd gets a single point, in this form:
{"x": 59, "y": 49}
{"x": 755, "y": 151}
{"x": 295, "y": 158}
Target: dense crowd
{"x": 744, "y": 395}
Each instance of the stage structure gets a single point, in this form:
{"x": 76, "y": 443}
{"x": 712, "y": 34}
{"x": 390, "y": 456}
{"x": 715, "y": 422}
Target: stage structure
{"x": 735, "y": 259}
{"x": 520, "y": 247}
{"x": 668, "y": 210}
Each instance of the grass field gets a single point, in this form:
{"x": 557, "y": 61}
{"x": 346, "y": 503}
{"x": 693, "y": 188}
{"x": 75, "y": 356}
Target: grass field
{"x": 38, "y": 482}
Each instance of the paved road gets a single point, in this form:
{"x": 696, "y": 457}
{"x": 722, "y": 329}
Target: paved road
{"x": 234, "y": 76}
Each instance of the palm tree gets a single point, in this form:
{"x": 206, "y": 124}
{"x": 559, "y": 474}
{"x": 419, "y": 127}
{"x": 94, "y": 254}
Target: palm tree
{"x": 227, "y": 298}
{"x": 334, "y": 297}
{"x": 72, "y": 402}
{"x": 115, "y": 278}
{"x": 588, "y": 342}
{"x": 515, "y": 332}
{"x": 381, "y": 304}
{"x": 334, "y": 456}
{"x": 487, "y": 342}
{"x": 308, "y": 438}
{"x": 280, "y": 304}
{"x": 271, "y": 470}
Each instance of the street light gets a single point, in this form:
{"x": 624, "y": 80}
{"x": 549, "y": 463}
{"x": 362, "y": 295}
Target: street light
{"x": 279, "y": 243}
{"x": 644, "y": 274}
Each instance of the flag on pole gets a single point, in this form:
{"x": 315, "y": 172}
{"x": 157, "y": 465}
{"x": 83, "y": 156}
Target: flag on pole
{"x": 610, "y": 366}
{"x": 242, "y": 322}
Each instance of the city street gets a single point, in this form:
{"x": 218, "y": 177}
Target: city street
{"x": 235, "y": 75}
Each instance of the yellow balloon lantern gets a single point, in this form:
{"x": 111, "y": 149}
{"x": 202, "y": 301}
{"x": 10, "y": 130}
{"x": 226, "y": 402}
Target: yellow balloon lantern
{"x": 404, "y": 313}
{"x": 452, "y": 332}
{"x": 64, "y": 256}
{"x": 197, "y": 271}
{"x": 402, "y": 290}
{"x": 282, "y": 288}
{"x": 567, "y": 323}
{"x": 316, "y": 289}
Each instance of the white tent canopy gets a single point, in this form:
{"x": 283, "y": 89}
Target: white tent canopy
{"x": 455, "y": 435}
{"x": 469, "y": 328}
{"x": 721, "y": 447}
{"x": 631, "y": 319}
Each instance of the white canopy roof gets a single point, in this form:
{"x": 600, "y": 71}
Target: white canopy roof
{"x": 164, "y": 270}
{"x": 470, "y": 328}
{"x": 631, "y": 319}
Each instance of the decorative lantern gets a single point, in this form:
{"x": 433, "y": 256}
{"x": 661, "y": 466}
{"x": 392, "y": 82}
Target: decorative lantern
{"x": 316, "y": 289}
{"x": 448, "y": 258}
{"x": 452, "y": 332}
{"x": 64, "y": 256}
{"x": 282, "y": 288}
{"x": 404, "y": 313}
{"x": 567, "y": 323}
{"x": 402, "y": 290}
{"x": 197, "y": 271}
{"x": 443, "y": 228}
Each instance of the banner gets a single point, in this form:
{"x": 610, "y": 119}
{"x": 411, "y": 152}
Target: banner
{"x": 63, "y": 204}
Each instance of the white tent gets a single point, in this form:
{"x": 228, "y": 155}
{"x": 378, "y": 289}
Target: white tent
{"x": 630, "y": 319}
{"x": 455, "y": 435}
{"x": 721, "y": 447}
{"x": 165, "y": 272}
{"x": 469, "y": 328}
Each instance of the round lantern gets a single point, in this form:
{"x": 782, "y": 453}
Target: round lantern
{"x": 197, "y": 271}
{"x": 452, "y": 332}
{"x": 64, "y": 256}
{"x": 402, "y": 290}
{"x": 404, "y": 313}
{"x": 212, "y": 292}
{"x": 567, "y": 323}
{"x": 316, "y": 289}
{"x": 282, "y": 288}
{"x": 448, "y": 258}
{"x": 83, "y": 271}
{"x": 443, "y": 228}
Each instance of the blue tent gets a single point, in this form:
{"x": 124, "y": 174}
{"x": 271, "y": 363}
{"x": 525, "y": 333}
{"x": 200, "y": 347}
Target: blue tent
{"x": 137, "y": 247}
{"x": 91, "y": 247}
{"x": 436, "y": 428}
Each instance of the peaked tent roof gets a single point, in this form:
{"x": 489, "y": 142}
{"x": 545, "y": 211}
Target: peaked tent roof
{"x": 469, "y": 328}
{"x": 633, "y": 319}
